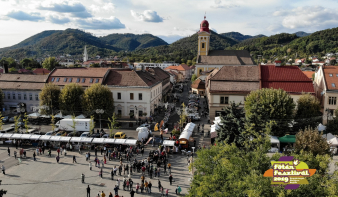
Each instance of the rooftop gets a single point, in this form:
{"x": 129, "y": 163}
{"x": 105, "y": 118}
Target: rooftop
{"x": 331, "y": 77}
{"x": 198, "y": 84}
{"x": 226, "y": 57}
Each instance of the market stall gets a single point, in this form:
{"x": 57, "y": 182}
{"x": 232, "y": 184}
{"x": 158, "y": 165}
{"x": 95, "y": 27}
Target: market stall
{"x": 7, "y": 135}
{"x": 130, "y": 142}
{"x": 16, "y": 136}
{"x": 119, "y": 141}
{"x": 25, "y": 136}
{"x": 65, "y": 139}
{"x": 44, "y": 137}
{"x": 184, "y": 139}
{"x": 109, "y": 141}
{"x": 98, "y": 140}
{"x": 34, "y": 137}
{"x": 169, "y": 146}
{"x": 275, "y": 144}
{"x": 287, "y": 141}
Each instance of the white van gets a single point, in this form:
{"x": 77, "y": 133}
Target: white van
{"x": 85, "y": 134}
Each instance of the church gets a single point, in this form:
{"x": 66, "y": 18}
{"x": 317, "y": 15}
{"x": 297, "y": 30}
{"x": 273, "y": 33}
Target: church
{"x": 208, "y": 60}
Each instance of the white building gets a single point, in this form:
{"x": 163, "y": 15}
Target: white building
{"x": 21, "y": 88}
{"x": 139, "y": 65}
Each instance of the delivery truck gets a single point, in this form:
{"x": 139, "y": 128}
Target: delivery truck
{"x": 80, "y": 124}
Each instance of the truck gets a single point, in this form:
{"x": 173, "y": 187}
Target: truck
{"x": 80, "y": 124}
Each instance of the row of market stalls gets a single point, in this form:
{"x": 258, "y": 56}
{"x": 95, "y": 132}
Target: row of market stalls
{"x": 49, "y": 138}
{"x": 185, "y": 136}
{"x": 59, "y": 115}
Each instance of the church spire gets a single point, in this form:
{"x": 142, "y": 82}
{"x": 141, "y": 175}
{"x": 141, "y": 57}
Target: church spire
{"x": 85, "y": 54}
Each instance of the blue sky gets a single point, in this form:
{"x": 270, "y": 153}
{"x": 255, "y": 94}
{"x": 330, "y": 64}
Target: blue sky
{"x": 168, "y": 19}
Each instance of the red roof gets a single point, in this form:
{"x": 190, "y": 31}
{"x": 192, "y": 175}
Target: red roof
{"x": 289, "y": 78}
{"x": 41, "y": 70}
{"x": 204, "y": 26}
{"x": 181, "y": 67}
{"x": 278, "y": 61}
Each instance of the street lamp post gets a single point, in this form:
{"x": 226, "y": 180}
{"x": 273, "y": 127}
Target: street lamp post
{"x": 100, "y": 112}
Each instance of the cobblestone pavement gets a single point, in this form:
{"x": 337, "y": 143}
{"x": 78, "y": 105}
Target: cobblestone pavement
{"x": 45, "y": 177}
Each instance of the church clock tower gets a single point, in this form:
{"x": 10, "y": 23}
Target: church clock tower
{"x": 204, "y": 38}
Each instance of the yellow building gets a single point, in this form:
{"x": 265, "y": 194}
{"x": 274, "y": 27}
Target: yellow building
{"x": 208, "y": 60}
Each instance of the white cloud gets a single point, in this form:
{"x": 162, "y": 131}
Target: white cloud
{"x": 147, "y": 16}
{"x": 309, "y": 17}
{"x": 100, "y": 23}
{"x": 23, "y": 16}
{"x": 225, "y": 4}
{"x": 75, "y": 8}
{"x": 58, "y": 20}
{"x": 103, "y": 7}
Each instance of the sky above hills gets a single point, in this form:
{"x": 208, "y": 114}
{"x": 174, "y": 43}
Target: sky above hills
{"x": 168, "y": 19}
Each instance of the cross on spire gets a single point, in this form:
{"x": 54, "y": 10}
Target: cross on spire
{"x": 205, "y": 15}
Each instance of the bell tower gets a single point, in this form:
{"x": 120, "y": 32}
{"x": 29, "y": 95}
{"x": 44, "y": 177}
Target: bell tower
{"x": 204, "y": 38}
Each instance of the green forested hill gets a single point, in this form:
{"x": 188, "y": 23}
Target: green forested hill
{"x": 240, "y": 37}
{"x": 130, "y": 42}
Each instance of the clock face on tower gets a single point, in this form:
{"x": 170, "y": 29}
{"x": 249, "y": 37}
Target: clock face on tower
{"x": 204, "y": 24}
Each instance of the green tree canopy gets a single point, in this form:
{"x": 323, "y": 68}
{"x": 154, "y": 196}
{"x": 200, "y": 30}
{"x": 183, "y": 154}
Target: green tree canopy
{"x": 50, "y": 63}
{"x": 49, "y": 96}
{"x": 98, "y": 96}
{"x": 70, "y": 98}
{"x": 12, "y": 69}
{"x": 232, "y": 125}
{"x": 264, "y": 105}
{"x": 193, "y": 78}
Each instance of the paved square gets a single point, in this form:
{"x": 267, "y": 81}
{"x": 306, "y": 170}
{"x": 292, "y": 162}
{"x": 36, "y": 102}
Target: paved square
{"x": 45, "y": 177}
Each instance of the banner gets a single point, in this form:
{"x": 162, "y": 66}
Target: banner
{"x": 156, "y": 127}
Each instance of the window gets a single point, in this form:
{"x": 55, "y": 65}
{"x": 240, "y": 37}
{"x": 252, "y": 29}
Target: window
{"x": 25, "y": 96}
{"x": 83, "y": 80}
{"x": 65, "y": 80}
{"x": 97, "y": 81}
{"x": 224, "y": 100}
{"x": 131, "y": 96}
{"x": 336, "y": 75}
{"x": 333, "y": 85}
{"x": 202, "y": 45}
{"x": 219, "y": 113}
{"x": 332, "y": 100}
{"x": 330, "y": 75}
{"x": 140, "y": 96}
{"x": 13, "y": 95}
{"x": 30, "y": 96}
{"x": 119, "y": 95}
{"x": 9, "y": 95}
{"x": 53, "y": 79}
{"x": 91, "y": 81}
{"x": 70, "y": 80}
{"x": 57, "y": 79}
{"x": 19, "y": 96}
{"x": 36, "y": 97}
{"x": 77, "y": 80}
{"x": 119, "y": 112}
{"x": 140, "y": 113}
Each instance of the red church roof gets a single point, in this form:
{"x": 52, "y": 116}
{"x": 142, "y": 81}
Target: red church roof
{"x": 204, "y": 26}
{"x": 289, "y": 78}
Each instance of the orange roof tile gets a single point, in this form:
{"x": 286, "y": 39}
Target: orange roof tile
{"x": 309, "y": 73}
{"x": 331, "y": 77}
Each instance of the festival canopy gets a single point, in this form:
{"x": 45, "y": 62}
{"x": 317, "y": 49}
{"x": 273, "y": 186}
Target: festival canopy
{"x": 55, "y": 138}
{"x": 168, "y": 143}
{"x": 119, "y": 141}
{"x": 98, "y": 140}
{"x": 86, "y": 139}
{"x": 44, "y": 137}
{"x": 130, "y": 142}
{"x": 288, "y": 139}
{"x": 321, "y": 127}
{"x": 185, "y": 135}
{"x": 75, "y": 139}
{"x": 331, "y": 139}
{"x": 109, "y": 140}
{"x": 34, "y": 137}
{"x": 26, "y": 136}
{"x": 16, "y": 136}
{"x": 64, "y": 139}
{"x": 7, "y": 135}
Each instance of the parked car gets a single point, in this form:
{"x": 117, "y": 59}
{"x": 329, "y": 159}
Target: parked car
{"x": 20, "y": 124}
{"x": 76, "y": 134}
{"x": 105, "y": 136}
{"x": 145, "y": 125}
{"x": 50, "y": 133}
{"x": 85, "y": 134}
{"x": 7, "y": 130}
{"x": 61, "y": 133}
{"x": 5, "y": 119}
{"x": 95, "y": 135}
{"x": 120, "y": 135}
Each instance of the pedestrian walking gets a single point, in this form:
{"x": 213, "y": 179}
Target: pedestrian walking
{"x": 167, "y": 192}
{"x": 61, "y": 149}
{"x": 112, "y": 174}
{"x": 116, "y": 189}
{"x": 83, "y": 178}
{"x": 58, "y": 151}
{"x": 118, "y": 183}
{"x": 57, "y": 158}
{"x": 90, "y": 165}
{"x": 50, "y": 153}
{"x": 88, "y": 191}
{"x": 33, "y": 156}
{"x": 159, "y": 185}
{"x": 9, "y": 152}
{"x": 100, "y": 173}
{"x": 132, "y": 193}
{"x": 110, "y": 194}
{"x": 74, "y": 159}
{"x": 15, "y": 154}
{"x": 149, "y": 186}
{"x": 170, "y": 179}
{"x": 3, "y": 169}
{"x": 103, "y": 194}
{"x": 65, "y": 152}
{"x": 178, "y": 190}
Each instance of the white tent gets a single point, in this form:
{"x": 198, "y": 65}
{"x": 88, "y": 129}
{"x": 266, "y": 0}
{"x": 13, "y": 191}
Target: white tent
{"x": 64, "y": 139}
{"x": 16, "y": 136}
{"x": 80, "y": 117}
{"x": 321, "y": 127}
{"x": 168, "y": 143}
{"x": 86, "y": 139}
{"x": 34, "y": 137}
{"x": 109, "y": 140}
{"x": 44, "y": 137}
{"x": 142, "y": 133}
{"x": 119, "y": 141}
{"x": 59, "y": 115}
{"x": 185, "y": 135}
{"x": 130, "y": 142}
{"x": 33, "y": 115}
{"x": 55, "y": 138}
{"x": 7, "y": 135}
{"x": 331, "y": 139}
{"x": 75, "y": 139}
{"x": 67, "y": 117}
{"x": 274, "y": 140}
{"x": 26, "y": 136}
{"x": 1, "y": 135}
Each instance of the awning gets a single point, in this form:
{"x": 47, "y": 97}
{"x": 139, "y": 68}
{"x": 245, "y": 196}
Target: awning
{"x": 86, "y": 139}
{"x": 274, "y": 140}
{"x": 44, "y": 137}
{"x": 26, "y": 136}
{"x": 185, "y": 135}
{"x": 331, "y": 139}
{"x": 1, "y": 135}
{"x": 321, "y": 127}
{"x": 65, "y": 139}
{"x": 80, "y": 117}
{"x": 75, "y": 139}
{"x": 16, "y": 136}
{"x": 131, "y": 142}
{"x": 109, "y": 140}
{"x": 7, "y": 135}
{"x": 169, "y": 143}
{"x": 34, "y": 137}
{"x": 119, "y": 141}
{"x": 55, "y": 138}
{"x": 288, "y": 139}
{"x": 98, "y": 140}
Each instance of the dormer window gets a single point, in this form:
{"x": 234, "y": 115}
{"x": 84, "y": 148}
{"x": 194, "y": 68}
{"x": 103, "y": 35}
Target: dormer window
{"x": 70, "y": 80}
{"x": 78, "y": 80}
{"x": 330, "y": 75}
{"x": 83, "y": 80}
{"x": 53, "y": 79}
{"x": 97, "y": 81}
{"x": 333, "y": 85}
{"x": 58, "y": 79}
{"x": 91, "y": 81}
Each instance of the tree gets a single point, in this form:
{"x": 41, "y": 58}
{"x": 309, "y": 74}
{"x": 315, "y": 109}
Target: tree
{"x": 73, "y": 124}
{"x": 308, "y": 61}
{"x": 49, "y": 96}
{"x": 264, "y": 105}
{"x": 232, "y": 125}
{"x": 183, "y": 117}
{"x": 1, "y": 121}
{"x": 308, "y": 112}
{"x": 25, "y": 120}
{"x": 189, "y": 62}
{"x": 91, "y": 124}
{"x": 16, "y": 124}
{"x": 112, "y": 125}
{"x": 95, "y": 65}
{"x": 310, "y": 140}
{"x": 53, "y": 122}
{"x": 193, "y": 78}
{"x": 98, "y": 96}
{"x": 1, "y": 99}
{"x": 70, "y": 98}
{"x": 332, "y": 125}
{"x": 50, "y": 63}
{"x": 25, "y": 62}
{"x": 12, "y": 70}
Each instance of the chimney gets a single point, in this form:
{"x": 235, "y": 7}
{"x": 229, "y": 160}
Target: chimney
{"x": 5, "y": 69}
